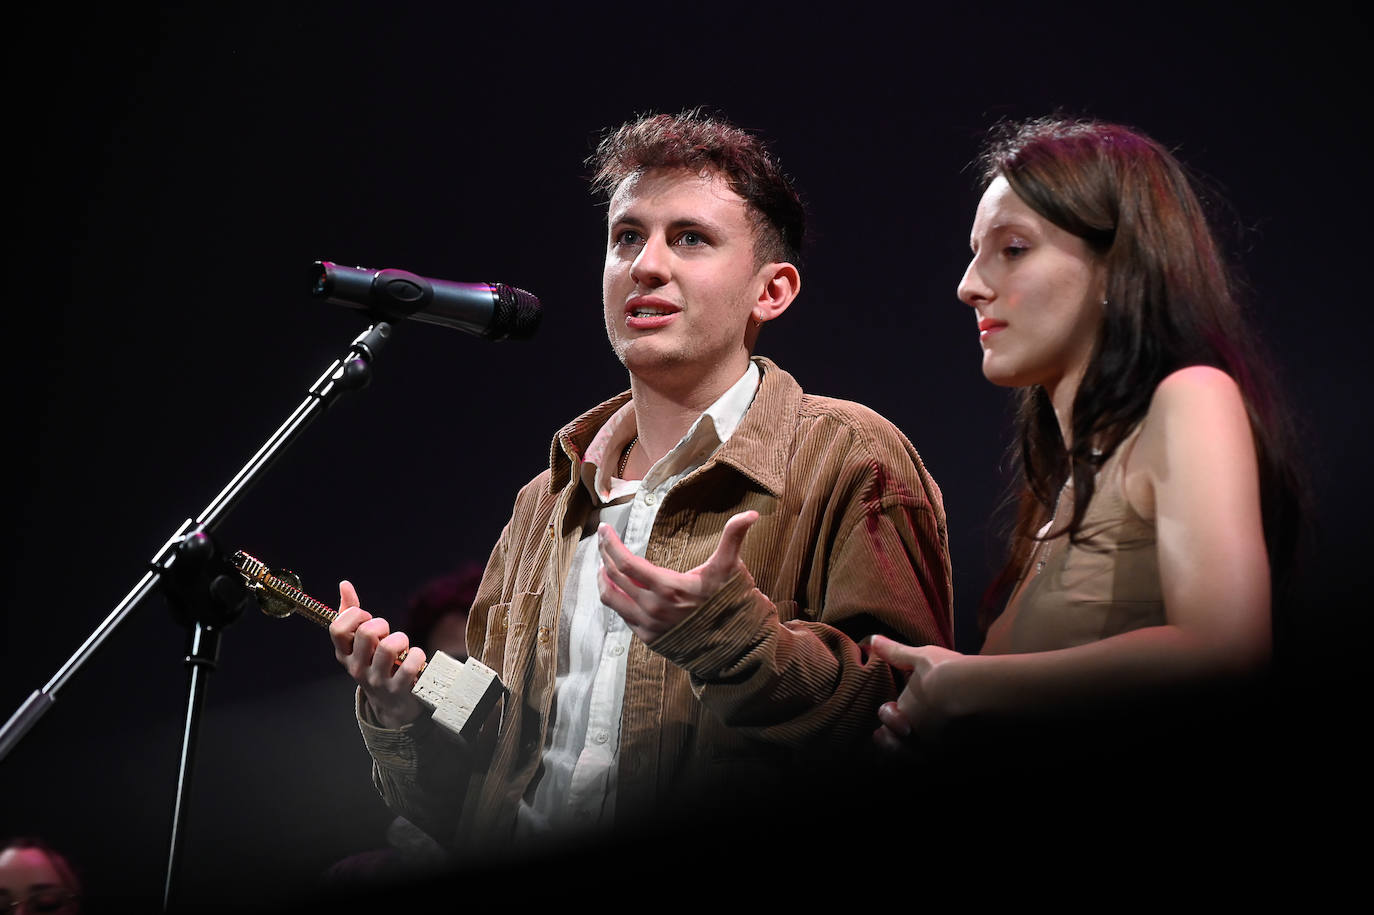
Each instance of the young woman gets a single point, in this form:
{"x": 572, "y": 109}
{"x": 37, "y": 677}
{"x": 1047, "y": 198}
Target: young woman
{"x": 1156, "y": 494}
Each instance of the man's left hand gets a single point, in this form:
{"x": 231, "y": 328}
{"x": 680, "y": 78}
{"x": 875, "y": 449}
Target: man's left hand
{"x": 652, "y": 599}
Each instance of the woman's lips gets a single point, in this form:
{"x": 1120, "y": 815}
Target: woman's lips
{"x": 988, "y": 327}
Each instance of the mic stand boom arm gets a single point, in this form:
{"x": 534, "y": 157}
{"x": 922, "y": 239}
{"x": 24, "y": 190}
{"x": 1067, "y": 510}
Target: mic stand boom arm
{"x": 205, "y": 590}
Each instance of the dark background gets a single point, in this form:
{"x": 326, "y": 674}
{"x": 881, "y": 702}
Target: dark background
{"x": 175, "y": 171}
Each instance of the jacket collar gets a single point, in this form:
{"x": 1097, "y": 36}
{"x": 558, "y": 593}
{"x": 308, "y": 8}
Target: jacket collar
{"x": 758, "y": 449}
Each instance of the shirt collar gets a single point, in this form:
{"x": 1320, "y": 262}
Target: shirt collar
{"x": 712, "y": 429}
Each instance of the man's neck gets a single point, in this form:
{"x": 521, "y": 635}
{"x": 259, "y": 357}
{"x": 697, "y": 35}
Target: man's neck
{"x": 663, "y": 414}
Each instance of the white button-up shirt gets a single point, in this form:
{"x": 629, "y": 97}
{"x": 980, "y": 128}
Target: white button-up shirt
{"x": 577, "y": 781}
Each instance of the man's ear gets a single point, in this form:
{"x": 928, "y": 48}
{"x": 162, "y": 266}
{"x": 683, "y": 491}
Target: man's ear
{"x": 782, "y": 282}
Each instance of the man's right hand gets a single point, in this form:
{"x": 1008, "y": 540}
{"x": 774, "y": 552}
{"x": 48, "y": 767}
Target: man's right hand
{"x": 368, "y": 649}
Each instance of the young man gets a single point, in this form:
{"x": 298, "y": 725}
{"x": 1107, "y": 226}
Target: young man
{"x": 651, "y": 651}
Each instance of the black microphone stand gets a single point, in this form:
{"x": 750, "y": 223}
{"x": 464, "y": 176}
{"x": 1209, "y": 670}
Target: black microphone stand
{"x": 205, "y": 591}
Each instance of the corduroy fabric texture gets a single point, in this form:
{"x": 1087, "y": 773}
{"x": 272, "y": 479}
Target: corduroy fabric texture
{"x": 851, "y": 541}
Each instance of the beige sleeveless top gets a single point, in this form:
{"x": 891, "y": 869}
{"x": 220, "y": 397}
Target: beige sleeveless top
{"x": 1072, "y": 594}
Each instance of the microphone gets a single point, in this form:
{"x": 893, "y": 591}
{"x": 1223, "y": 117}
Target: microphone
{"x": 492, "y": 310}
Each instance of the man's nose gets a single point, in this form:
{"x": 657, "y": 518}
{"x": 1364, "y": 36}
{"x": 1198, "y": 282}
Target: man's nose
{"x": 652, "y": 268}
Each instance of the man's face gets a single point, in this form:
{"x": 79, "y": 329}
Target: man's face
{"x": 680, "y": 281}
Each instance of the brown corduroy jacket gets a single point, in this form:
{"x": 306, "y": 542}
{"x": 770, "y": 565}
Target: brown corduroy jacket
{"x": 851, "y": 541}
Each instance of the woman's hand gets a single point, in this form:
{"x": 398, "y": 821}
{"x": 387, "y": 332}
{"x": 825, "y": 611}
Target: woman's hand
{"x": 922, "y": 709}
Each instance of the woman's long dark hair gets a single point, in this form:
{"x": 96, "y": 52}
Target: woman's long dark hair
{"x": 1170, "y": 303}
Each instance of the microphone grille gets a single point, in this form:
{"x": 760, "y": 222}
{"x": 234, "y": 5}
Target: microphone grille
{"x": 517, "y": 314}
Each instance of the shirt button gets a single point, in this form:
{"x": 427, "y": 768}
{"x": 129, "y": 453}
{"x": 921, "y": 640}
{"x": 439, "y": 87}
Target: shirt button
{"x": 650, "y": 498}
{"x": 601, "y": 737}
{"x": 617, "y": 650}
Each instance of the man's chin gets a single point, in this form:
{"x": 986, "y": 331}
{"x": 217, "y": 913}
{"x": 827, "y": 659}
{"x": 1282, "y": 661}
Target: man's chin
{"x": 648, "y": 361}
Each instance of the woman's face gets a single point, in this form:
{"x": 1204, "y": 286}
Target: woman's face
{"x": 29, "y": 877}
{"x": 1036, "y": 290}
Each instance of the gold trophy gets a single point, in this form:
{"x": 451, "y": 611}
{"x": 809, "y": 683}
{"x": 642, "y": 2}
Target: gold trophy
{"x": 459, "y": 693}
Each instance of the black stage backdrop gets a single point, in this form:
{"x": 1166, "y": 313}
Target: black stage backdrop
{"x": 175, "y": 171}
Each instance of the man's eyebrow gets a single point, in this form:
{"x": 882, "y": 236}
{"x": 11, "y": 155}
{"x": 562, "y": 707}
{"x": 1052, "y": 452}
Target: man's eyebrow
{"x": 694, "y": 222}
{"x": 682, "y": 222}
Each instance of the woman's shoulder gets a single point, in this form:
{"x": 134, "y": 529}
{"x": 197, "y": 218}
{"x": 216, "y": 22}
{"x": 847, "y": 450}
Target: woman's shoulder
{"x": 1197, "y": 386}
{"x": 1195, "y": 400}
{"x": 1197, "y": 414}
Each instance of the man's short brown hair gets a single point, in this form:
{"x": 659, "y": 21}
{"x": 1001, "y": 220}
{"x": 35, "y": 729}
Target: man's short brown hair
{"x": 696, "y": 141}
